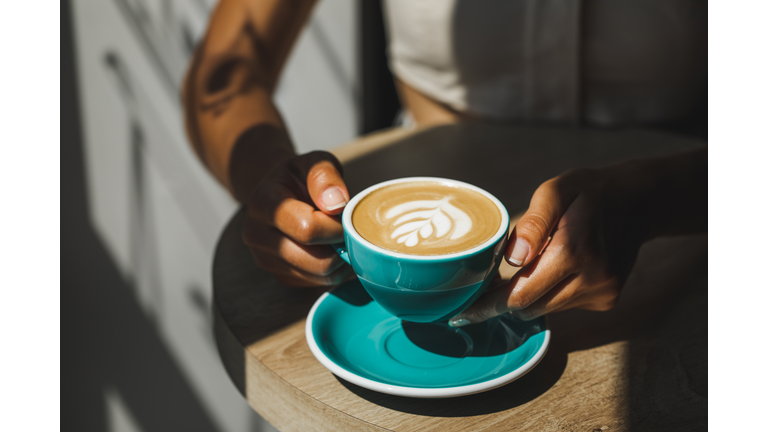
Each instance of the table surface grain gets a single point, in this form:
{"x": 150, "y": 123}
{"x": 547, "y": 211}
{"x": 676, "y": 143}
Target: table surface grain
{"x": 641, "y": 366}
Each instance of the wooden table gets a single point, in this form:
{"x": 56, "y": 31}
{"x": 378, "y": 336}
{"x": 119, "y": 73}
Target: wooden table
{"x": 641, "y": 366}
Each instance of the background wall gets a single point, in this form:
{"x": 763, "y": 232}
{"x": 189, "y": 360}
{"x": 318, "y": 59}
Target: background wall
{"x": 141, "y": 215}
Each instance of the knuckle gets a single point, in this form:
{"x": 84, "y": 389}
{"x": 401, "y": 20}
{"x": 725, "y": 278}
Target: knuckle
{"x": 519, "y": 300}
{"x": 569, "y": 257}
{"x": 322, "y": 173}
{"x": 326, "y": 267}
{"x": 605, "y": 304}
{"x": 608, "y": 298}
{"x": 533, "y": 225}
{"x": 316, "y": 172}
{"x": 303, "y": 231}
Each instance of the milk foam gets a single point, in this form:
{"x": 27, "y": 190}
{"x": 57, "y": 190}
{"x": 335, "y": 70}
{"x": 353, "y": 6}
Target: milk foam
{"x": 426, "y": 218}
{"x": 440, "y": 214}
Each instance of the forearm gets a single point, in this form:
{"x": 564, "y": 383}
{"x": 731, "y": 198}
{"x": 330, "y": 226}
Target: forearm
{"x": 665, "y": 196}
{"x": 238, "y": 138}
{"x": 231, "y": 119}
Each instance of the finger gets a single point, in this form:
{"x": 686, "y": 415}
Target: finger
{"x": 525, "y": 288}
{"x": 532, "y": 231}
{"x": 576, "y": 291}
{"x": 601, "y": 299}
{"x": 324, "y": 183}
{"x": 315, "y": 259}
{"x": 564, "y": 295}
{"x": 278, "y": 205}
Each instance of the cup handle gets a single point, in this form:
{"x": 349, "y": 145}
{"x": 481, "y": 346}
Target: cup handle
{"x": 341, "y": 249}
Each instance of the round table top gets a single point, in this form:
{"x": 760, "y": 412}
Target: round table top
{"x": 642, "y": 365}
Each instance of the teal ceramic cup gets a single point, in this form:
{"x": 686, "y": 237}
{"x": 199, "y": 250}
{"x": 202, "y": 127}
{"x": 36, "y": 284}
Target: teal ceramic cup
{"x": 421, "y": 288}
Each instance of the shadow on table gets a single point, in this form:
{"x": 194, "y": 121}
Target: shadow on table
{"x": 535, "y": 383}
{"x": 491, "y": 338}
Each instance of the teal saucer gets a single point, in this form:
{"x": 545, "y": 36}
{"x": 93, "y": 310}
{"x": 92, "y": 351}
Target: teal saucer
{"x": 356, "y": 339}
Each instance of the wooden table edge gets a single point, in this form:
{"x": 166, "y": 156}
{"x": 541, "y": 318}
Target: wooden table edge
{"x": 292, "y": 403}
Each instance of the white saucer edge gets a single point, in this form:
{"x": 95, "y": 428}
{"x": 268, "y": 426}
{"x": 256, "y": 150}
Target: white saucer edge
{"x": 426, "y": 393}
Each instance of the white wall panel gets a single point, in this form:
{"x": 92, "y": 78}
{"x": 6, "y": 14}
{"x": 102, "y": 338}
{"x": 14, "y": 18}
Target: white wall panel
{"x": 154, "y": 206}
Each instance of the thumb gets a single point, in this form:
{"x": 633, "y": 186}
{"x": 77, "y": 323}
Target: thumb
{"x": 532, "y": 231}
{"x": 325, "y": 185}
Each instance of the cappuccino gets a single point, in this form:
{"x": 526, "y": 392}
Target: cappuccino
{"x": 426, "y": 218}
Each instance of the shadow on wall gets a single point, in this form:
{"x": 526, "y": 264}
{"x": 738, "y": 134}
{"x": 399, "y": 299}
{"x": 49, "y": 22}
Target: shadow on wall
{"x": 116, "y": 372}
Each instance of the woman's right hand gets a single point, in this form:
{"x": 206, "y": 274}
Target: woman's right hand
{"x": 293, "y": 216}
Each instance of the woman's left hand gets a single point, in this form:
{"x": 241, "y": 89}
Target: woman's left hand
{"x": 576, "y": 243}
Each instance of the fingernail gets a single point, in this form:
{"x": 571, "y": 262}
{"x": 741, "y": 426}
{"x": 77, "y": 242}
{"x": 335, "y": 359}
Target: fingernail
{"x": 519, "y": 253}
{"x": 458, "y": 322}
{"x": 333, "y": 198}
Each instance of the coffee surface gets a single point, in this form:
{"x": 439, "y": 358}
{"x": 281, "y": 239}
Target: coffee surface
{"x": 426, "y": 218}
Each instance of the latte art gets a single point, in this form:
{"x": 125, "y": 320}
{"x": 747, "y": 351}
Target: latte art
{"x": 445, "y": 217}
{"x": 426, "y": 218}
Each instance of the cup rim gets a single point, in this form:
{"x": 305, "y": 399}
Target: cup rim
{"x": 349, "y": 228}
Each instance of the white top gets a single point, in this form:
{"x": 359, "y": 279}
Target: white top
{"x": 603, "y": 62}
